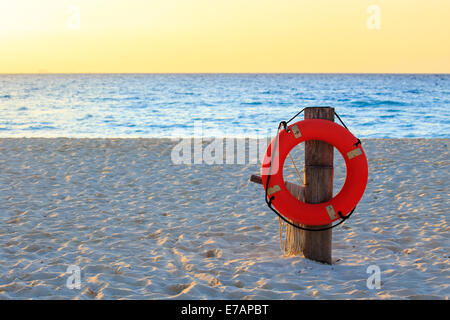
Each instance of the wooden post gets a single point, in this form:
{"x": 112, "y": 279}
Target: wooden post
{"x": 316, "y": 245}
{"x": 296, "y": 190}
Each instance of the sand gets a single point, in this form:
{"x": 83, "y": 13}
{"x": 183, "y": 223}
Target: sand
{"x": 140, "y": 227}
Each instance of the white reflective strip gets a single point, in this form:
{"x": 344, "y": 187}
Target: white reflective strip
{"x": 331, "y": 212}
{"x": 273, "y": 189}
{"x": 296, "y": 131}
{"x": 354, "y": 153}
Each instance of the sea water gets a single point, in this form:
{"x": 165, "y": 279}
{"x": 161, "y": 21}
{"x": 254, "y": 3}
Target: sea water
{"x": 167, "y": 105}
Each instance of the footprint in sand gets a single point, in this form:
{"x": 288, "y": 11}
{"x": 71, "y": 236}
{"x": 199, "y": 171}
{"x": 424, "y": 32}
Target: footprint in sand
{"x": 180, "y": 288}
{"x": 213, "y": 253}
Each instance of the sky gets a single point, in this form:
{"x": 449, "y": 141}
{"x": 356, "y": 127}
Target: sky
{"x": 236, "y": 36}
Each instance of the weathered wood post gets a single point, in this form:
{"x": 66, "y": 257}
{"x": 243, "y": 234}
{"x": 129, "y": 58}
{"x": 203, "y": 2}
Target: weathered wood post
{"x": 296, "y": 190}
{"x": 316, "y": 245}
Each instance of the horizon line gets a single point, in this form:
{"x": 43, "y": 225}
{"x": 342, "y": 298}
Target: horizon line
{"x": 231, "y": 73}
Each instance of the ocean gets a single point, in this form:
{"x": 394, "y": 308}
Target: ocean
{"x": 171, "y": 105}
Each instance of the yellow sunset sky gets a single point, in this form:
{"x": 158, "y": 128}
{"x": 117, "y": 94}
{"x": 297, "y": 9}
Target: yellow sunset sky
{"x": 190, "y": 36}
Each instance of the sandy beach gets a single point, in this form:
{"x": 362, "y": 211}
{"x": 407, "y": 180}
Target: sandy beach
{"x": 141, "y": 227}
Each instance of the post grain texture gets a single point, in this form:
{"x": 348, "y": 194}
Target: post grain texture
{"x": 317, "y": 245}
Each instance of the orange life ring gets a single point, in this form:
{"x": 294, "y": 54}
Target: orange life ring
{"x": 355, "y": 182}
